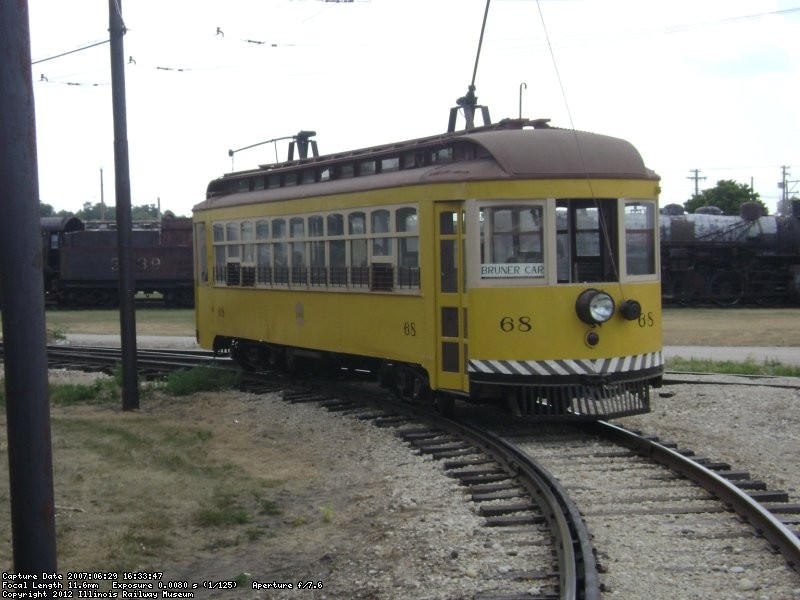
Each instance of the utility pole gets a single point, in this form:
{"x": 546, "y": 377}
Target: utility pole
{"x": 785, "y": 185}
{"x": 27, "y": 402}
{"x": 697, "y": 179}
{"x": 127, "y": 286}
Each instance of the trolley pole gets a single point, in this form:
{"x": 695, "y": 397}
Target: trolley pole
{"x": 22, "y": 302}
{"x": 127, "y": 287}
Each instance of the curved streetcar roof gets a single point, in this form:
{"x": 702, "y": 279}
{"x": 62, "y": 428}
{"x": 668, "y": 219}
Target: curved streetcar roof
{"x": 511, "y": 149}
{"x": 562, "y": 153}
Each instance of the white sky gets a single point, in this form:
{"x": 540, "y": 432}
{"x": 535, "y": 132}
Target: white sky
{"x": 709, "y": 85}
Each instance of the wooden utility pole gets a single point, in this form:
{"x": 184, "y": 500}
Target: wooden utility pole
{"x": 22, "y": 300}
{"x": 697, "y": 179}
{"x": 127, "y": 286}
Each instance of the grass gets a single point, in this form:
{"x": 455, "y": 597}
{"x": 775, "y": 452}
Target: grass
{"x": 119, "y": 472}
{"x": 150, "y": 321}
{"x": 728, "y": 367}
{"x": 102, "y": 391}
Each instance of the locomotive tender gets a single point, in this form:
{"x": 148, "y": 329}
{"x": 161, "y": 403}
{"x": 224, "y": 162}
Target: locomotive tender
{"x": 512, "y": 263}
{"x": 81, "y": 265}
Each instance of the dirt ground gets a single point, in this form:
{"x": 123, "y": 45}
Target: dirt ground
{"x": 217, "y": 486}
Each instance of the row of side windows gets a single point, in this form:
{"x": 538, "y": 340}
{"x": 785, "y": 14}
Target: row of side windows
{"x": 375, "y": 249}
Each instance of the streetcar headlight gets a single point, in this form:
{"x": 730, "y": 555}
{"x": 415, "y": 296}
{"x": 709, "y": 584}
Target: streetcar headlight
{"x": 594, "y": 307}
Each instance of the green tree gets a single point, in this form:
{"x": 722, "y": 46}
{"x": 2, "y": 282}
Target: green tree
{"x": 144, "y": 212}
{"x": 727, "y": 195}
{"x": 96, "y": 212}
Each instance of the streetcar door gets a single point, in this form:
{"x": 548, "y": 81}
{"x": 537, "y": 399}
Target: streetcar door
{"x": 451, "y": 305}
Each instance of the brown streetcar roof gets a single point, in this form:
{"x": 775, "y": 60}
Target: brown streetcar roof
{"x": 512, "y": 149}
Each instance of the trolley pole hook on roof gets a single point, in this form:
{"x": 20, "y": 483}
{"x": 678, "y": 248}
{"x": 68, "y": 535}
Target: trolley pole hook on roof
{"x": 301, "y": 138}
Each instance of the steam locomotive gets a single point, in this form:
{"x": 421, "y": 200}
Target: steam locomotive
{"x": 710, "y": 258}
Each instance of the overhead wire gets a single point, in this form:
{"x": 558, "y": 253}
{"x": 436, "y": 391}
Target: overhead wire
{"x": 601, "y": 222}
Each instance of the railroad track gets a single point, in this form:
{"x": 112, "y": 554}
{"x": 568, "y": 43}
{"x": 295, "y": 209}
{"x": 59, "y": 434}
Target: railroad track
{"x": 658, "y": 513}
{"x": 150, "y": 362}
{"x": 494, "y": 468}
{"x": 514, "y": 495}
{"x": 521, "y": 507}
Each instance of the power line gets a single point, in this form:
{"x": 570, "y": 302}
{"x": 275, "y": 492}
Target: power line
{"x": 81, "y": 49}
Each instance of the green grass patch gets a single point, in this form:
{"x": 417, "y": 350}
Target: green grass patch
{"x": 226, "y": 511}
{"x": 101, "y": 391}
{"x": 767, "y": 367}
{"x": 200, "y": 379}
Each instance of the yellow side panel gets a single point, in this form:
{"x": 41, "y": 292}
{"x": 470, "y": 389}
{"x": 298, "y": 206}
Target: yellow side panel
{"x": 541, "y": 323}
{"x": 382, "y": 325}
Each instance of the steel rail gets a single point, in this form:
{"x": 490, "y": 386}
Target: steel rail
{"x": 579, "y": 578}
{"x": 153, "y": 359}
{"x": 764, "y": 522}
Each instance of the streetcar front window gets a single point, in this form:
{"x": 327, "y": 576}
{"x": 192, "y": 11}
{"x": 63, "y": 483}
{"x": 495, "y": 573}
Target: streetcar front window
{"x": 512, "y": 242}
{"x": 586, "y": 241}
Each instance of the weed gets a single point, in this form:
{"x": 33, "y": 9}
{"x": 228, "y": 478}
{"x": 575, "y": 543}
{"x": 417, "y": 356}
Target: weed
{"x": 255, "y": 533}
{"x": 56, "y": 334}
{"x": 299, "y": 521}
{"x": 226, "y": 511}
{"x": 269, "y": 507}
{"x": 327, "y": 513}
{"x": 199, "y": 379}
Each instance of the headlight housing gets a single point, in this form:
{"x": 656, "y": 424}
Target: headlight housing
{"x": 594, "y": 307}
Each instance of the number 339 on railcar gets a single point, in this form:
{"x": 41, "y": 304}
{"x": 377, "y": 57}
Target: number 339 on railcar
{"x": 514, "y": 264}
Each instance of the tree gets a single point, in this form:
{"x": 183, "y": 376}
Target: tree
{"x": 144, "y": 212}
{"x": 96, "y": 212}
{"x": 728, "y": 196}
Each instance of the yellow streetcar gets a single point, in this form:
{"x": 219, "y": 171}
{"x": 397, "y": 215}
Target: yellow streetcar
{"x": 513, "y": 263}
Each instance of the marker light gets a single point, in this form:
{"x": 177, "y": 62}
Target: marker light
{"x": 631, "y": 310}
{"x": 594, "y": 307}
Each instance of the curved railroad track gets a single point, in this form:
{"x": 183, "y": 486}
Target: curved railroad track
{"x": 612, "y": 475}
{"x": 657, "y": 512}
{"x": 513, "y": 493}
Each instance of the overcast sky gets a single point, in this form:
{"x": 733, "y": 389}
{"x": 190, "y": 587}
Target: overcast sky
{"x": 709, "y": 85}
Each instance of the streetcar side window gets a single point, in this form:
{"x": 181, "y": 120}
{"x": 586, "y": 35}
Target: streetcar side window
{"x": 641, "y": 220}
{"x": 263, "y": 253}
{"x": 280, "y": 252}
{"x": 248, "y": 259}
{"x": 233, "y": 267}
{"x": 407, "y": 229}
